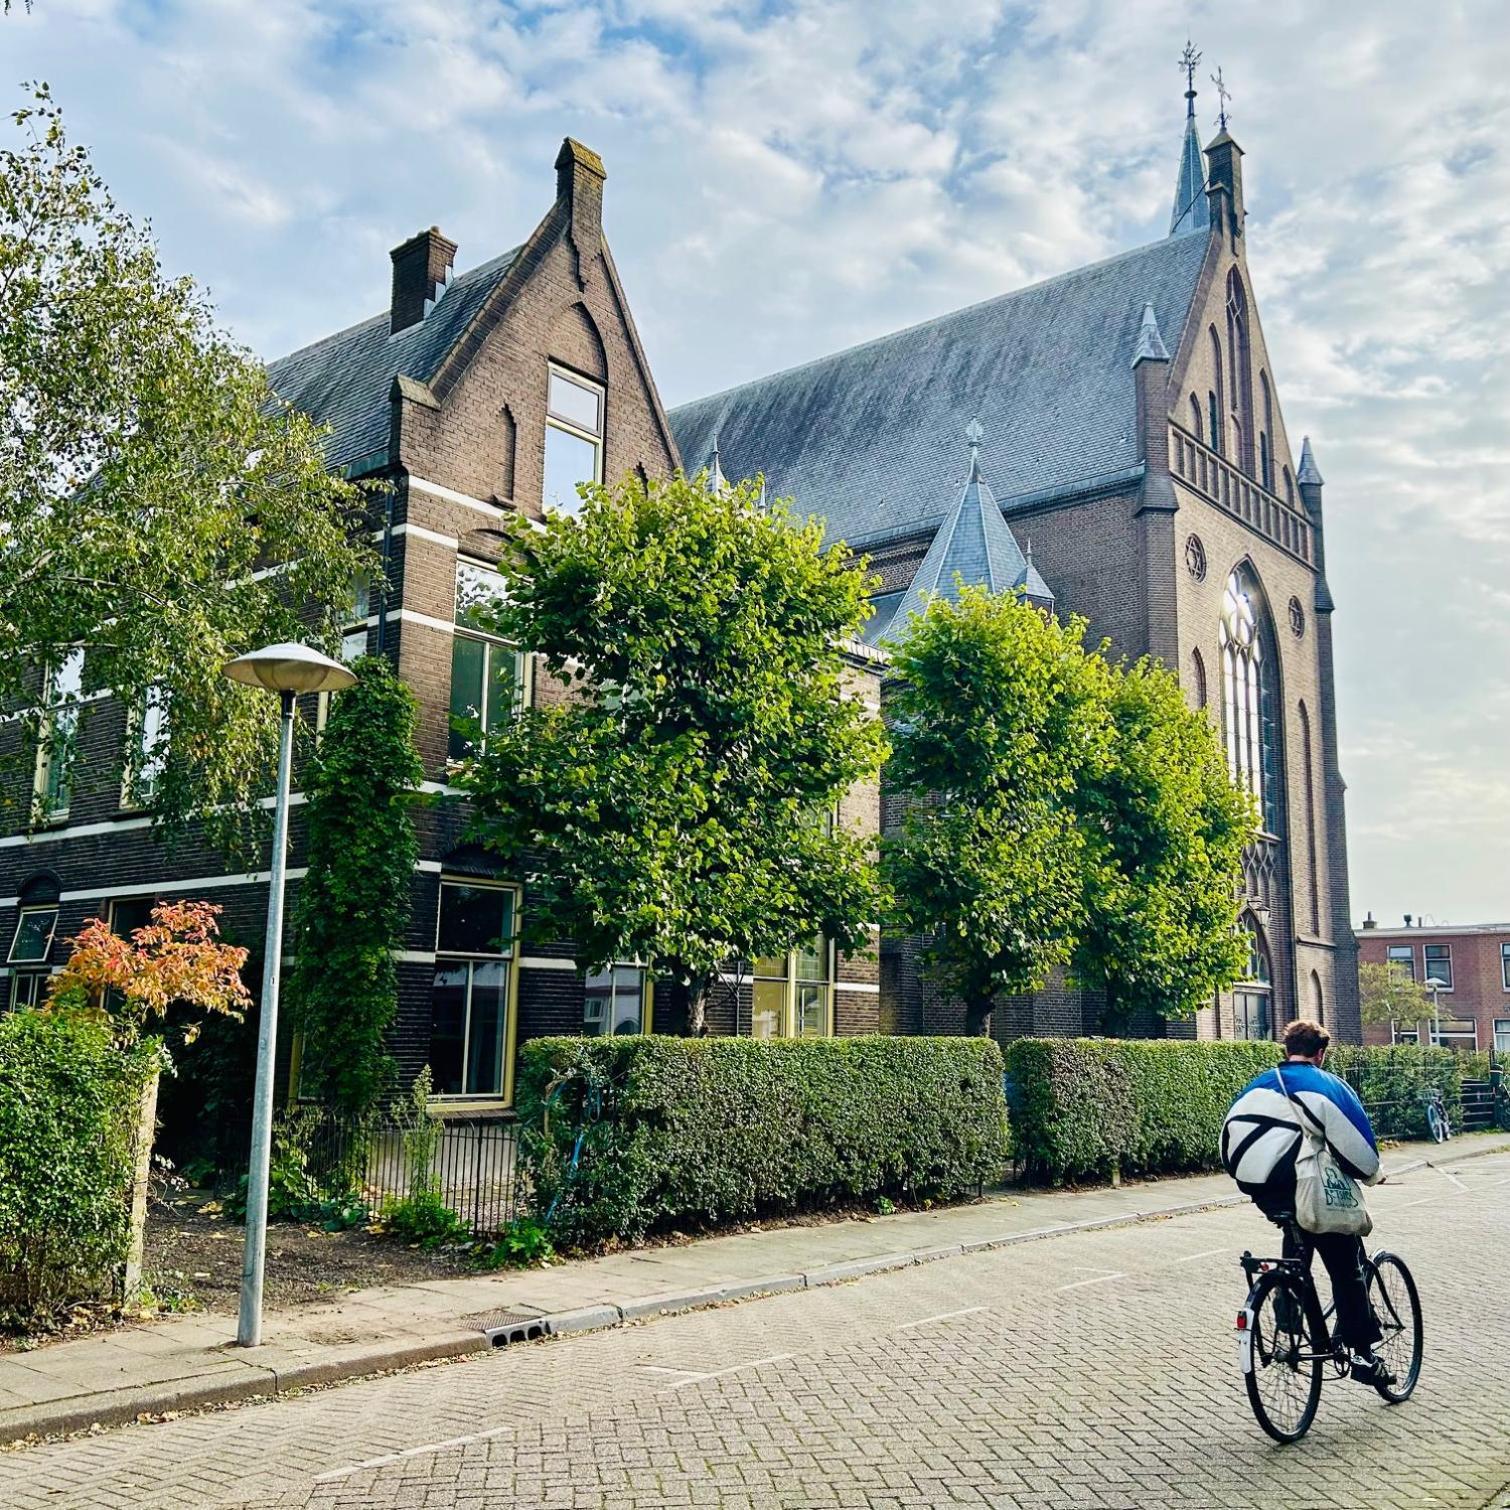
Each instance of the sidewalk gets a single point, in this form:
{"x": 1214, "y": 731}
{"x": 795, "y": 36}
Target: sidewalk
{"x": 187, "y": 1361}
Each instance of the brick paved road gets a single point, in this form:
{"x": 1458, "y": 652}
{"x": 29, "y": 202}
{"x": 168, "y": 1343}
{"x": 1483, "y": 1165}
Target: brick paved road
{"x": 1090, "y": 1370}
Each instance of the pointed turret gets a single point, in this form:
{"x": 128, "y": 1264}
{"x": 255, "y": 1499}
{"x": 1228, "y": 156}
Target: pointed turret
{"x": 1309, "y": 472}
{"x": 1150, "y": 347}
{"x": 716, "y": 480}
{"x": 1192, "y": 211}
{"x": 974, "y": 545}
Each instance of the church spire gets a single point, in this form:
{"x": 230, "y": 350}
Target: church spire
{"x": 1191, "y": 211}
{"x": 716, "y": 481}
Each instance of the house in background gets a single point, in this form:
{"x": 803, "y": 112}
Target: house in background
{"x": 1473, "y": 963}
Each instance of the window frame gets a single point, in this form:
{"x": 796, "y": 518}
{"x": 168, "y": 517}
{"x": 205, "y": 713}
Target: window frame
{"x": 47, "y": 810}
{"x": 509, "y": 955}
{"x": 791, "y": 982}
{"x": 1505, "y": 965}
{"x": 554, "y": 420}
{"x": 38, "y": 961}
{"x": 523, "y": 664}
{"x": 36, "y": 983}
{"x": 1501, "y": 1029}
{"x": 1393, "y": 957}
{"x": 134, "y": 797}
{"x": 647, "y": 998}
{"x": 1427, "y": 972}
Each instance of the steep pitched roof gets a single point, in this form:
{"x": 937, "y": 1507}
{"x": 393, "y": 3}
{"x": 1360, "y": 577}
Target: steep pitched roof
{"x": 864, "y": 437}
{"x": 975, "y": 546}
{"x": 344, "y": 380}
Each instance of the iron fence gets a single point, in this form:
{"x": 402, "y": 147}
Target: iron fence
{"x": 470, "y": 1164}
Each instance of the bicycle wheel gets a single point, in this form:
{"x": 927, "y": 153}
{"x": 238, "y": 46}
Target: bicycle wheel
{"x": 1397, "y": 1308}
{"x": 1437, "y": 1123}
{"x": 1282, "y": 1359}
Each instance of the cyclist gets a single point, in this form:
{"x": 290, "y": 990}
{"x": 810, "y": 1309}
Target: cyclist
{"x": 1260, "y": 1140}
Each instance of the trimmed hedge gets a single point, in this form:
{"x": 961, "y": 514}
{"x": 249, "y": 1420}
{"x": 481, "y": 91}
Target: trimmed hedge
{"x": 69, "y": 1100}
{"x": 701, "y": 1131}
{"x": 1088, "y": 1108}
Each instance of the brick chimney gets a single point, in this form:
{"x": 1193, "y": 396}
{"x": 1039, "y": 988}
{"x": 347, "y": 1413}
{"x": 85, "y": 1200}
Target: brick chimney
{"x": 421, "y": 270}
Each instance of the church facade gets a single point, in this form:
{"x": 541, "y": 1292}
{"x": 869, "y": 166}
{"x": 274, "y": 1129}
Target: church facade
{"x": 1130, "y": 453}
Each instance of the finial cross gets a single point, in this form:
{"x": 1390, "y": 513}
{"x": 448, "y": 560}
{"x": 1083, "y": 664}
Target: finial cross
{"x": 1224, "y": 95}
{"x": 1189, "y": 59}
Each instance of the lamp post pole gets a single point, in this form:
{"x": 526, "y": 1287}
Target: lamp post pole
{"x": 286, "y": 669}
{"x": 249, "y": 1322}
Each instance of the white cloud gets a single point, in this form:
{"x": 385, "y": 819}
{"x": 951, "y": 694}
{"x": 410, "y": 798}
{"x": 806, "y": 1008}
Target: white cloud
{"x": 787, "y": 180}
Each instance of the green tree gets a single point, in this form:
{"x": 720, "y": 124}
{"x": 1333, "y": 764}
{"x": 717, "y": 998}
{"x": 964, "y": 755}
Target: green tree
{"x": 1389, "y": 994}
{"x": 361, "y": 786}
{"x": 997, "y": 720}
{"x": 673, "y": 808}
{"x": 1165, "y": 829}
{"x": 159, "y": 509}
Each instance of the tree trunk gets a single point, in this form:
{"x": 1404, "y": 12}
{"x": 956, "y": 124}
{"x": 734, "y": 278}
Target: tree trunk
{"x": 697, "y": 1009}
{"x": 978, "y": 1013}
{"x": 136, "y": 1242}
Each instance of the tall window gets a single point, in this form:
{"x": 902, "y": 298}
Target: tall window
{"x": 1505, "y": 965}
{"x": 147, "y": 749}
{"x": 573, "y": 439}
{"x": 486, "y": 674}
{"x": 1403, "y": 957}
{"x": 1265, "y": 435}
{"x": 1249, "y": 705}
{"x": 616, "y": 1001}
{"x": 794, "y": 993}
{"x": 57, "y": 745}
{"x": 1214, "y": 397}
{"x": 1251, "y": 1017}
{"x": 469, "y": 1003}
{"x": 1310, "y": 794}
{"x": 1502, "y": 1035}
{"x": 1240, "y": 382}
{"x": 1196, "y": 427}
{"x": 31, "y": 944}
{"x": 1437, "y": 959}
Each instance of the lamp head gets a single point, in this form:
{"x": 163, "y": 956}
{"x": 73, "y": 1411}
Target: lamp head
{"x": 289, "y": 668}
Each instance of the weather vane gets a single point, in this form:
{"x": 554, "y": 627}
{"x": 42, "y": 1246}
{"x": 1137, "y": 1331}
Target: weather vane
{"x": 974, "y": 434}
{"x": 1188, "y": 61}
{"x": 1223, "y": 95}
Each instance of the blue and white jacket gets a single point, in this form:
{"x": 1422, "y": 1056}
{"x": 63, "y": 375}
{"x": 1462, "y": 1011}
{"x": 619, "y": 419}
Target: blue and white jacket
{"x": 1261, "y": 1135}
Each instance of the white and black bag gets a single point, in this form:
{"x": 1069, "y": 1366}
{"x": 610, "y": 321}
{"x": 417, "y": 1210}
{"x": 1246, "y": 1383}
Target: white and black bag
{"x": 1327, "y": 1197}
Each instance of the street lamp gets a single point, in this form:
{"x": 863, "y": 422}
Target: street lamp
{"x": 1433, "y": 984}
{"x": 287, "y": 670}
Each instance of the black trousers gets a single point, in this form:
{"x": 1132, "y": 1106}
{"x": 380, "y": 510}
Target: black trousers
{"x": 1343, "y": 1257}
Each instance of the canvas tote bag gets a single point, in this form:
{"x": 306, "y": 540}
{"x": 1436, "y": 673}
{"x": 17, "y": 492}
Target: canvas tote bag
{"x": 1327, "y": 1198}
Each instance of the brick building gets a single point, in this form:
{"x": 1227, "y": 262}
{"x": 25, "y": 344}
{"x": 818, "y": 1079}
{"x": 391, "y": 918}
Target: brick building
{"x": 1130, "y": 427}
{"x": 1131, "y": 464}
{"x": 1473, "y": 964}
{"x": 497, "y": 389}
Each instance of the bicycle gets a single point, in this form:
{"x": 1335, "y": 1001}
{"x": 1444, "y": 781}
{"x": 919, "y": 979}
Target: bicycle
{"x": 1285, "y": 1345}
{"x": 1436, "y": 1114}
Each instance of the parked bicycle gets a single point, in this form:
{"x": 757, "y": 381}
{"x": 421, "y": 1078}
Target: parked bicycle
{"x": 1436, "y": 1114}
{"x": 1285, "y": 1345}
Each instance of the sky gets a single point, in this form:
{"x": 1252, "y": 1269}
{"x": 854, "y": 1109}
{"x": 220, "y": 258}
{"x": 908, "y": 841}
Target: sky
{"x": 786, "y": 179}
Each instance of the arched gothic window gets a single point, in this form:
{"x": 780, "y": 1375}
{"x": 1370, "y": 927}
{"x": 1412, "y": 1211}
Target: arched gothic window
{"x": 1196, "y": 427}
{"x": 1252, "y": 997}
{"x": 1250, "y": 716}
{"x": 1289, "y": 488}
{"x": 1318, "y": 1001}
{"x": 1241, "y": 378}
{"x": 1214, "y": 397}
{"x": 1266, "y": 435}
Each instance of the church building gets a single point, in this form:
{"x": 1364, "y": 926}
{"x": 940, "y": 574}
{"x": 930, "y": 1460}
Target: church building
{"x": 1128, "y": 461}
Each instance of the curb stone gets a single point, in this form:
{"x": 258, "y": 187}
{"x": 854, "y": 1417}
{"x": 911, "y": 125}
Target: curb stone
{"x": 268, "y": 1380}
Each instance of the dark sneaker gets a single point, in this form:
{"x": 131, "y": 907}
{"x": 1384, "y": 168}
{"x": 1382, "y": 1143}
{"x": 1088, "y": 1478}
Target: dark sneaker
{"x": 1367, "y": 1369}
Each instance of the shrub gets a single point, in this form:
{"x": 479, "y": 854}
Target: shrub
{"x": 626, "y": 1136}
{"x": 1086, "y": 1108}
{"x": 69, "y": 1101}
{"x": 424, "y": 1218}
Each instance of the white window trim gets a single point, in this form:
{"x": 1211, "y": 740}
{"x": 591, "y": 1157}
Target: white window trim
{"x": 1426, "y": 972}
{"x": 47, "y": 727}
{"x": 553, "y": 421}
{"x": 39, "y": 963}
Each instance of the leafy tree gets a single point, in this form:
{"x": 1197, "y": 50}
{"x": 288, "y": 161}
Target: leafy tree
{"x": 673, "y": 807}
{"x": 354, "y": 902}
{"x": 998, "y": 720}
{"x": 177, "y": 957}
{"x": 1165, "y": 829}
{"x": 158, "y": 507}
{"x": 1389, "y": 994}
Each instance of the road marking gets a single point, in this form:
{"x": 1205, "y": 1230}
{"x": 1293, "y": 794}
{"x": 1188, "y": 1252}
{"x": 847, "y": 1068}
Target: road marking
{"x": 942, "y": 1316}
{"x": 1449, "y": 1175}
{"x": 733, "y": 1368}
{"x": 410, "y": 1452}
{"x": 656, "y": 1368}
{"x": 1100, "y": 1279}
{"x": 1209, "y": 1253}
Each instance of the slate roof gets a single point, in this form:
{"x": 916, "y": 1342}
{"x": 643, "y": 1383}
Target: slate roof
{"x": 867, "y": 438}
{"x": 975, "y": 545}
{"x": 1192, "y": 210}
{"x": 344, "y": 380}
